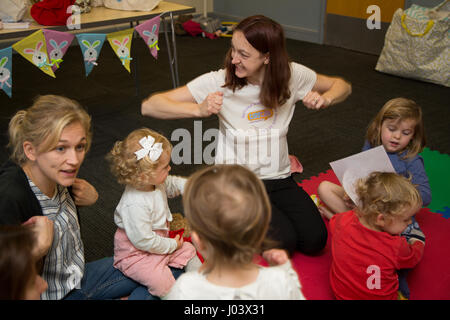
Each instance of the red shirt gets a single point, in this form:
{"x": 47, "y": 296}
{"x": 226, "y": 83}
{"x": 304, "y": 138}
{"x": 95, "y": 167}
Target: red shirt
{"x": 364, "y": 261}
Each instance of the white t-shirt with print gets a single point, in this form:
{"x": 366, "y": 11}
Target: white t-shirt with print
{"x": 251, "y": 134}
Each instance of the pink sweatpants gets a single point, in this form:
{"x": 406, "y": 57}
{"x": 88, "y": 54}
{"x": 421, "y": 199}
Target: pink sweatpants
{"x": 150, "y": 269}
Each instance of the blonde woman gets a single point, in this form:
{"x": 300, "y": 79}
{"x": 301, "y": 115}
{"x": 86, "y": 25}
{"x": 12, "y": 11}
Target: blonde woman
{"x": 48, "y": 144}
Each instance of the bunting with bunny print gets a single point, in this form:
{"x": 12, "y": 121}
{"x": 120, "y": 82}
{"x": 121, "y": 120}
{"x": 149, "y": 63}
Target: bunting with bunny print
{"x": 91, "y": 44}
{"x": 149, "y": 31}
{"x": 57, "y": 44}
{"x": 45, "y": 48}
{"x": 34, "y": 49}
{"x": 120, "y": 41}
{"x": 6, "y": 70}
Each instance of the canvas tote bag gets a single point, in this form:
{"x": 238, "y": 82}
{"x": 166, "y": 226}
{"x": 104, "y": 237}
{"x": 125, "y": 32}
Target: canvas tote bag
{"x": 131, "y": 5}
{"x": 418, "y": 47}
{"x": 13, "y": 10}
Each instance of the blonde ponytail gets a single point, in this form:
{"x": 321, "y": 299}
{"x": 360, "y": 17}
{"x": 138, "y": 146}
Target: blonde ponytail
{"x": 43, "y": 123}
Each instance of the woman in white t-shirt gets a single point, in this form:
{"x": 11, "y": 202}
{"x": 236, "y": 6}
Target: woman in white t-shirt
{"x": 254, "y": 97}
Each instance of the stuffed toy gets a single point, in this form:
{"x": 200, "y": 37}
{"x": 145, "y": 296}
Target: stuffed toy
{"x": 51, "y": 12}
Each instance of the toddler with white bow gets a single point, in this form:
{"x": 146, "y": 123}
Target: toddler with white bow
{"x": 143, "y": 250}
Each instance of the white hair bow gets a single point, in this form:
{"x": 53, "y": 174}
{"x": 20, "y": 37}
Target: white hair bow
{"x": 150, "y": 148}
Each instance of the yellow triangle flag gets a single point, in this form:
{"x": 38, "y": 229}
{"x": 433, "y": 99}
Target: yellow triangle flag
{"x": 34, "y": 49}
{"x": 120, "y": 41}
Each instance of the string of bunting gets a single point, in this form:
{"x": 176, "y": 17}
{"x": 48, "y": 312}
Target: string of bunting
{"x": 46, "y": 49}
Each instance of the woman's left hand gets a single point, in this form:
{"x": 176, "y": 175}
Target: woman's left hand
{"x": 314, "y": 100}
{"x": 84, "y": 193}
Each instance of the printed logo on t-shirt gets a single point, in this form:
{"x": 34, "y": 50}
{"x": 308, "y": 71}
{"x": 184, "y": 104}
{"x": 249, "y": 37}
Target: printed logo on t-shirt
{"x": 260, "y": 116}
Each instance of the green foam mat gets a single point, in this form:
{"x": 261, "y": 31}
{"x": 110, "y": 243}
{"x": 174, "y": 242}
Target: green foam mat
{"x": 437, "y": 167}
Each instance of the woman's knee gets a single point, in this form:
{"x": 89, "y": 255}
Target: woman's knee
{"x": 313, "y": 242}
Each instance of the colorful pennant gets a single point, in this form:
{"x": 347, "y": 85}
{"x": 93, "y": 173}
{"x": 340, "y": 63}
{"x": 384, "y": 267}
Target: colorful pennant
{"x": 120, "y": 41}
{"x": 57, "y": 44}
{"x": 45, "y": 49}
{"x": 149, "y": 31}
{"x": 90, "y": 44}
{"x": 34, "y": 49}
{"x": 6, "y": 70}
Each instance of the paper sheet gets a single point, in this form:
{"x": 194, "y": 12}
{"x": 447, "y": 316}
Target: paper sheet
{"x": 349, "y": 170}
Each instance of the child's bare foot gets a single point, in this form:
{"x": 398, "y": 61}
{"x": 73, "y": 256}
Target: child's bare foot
{"x": 275, "y": 256}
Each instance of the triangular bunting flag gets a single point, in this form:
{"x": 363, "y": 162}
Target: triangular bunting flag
{"x": 34, "y": 49}
{"x": 121, "y": 43}
{"x": 149, "y": 31}
{"x": 57, "y": 44}
{"x": 6, "y": 70}
{"x": 90, "y": 44}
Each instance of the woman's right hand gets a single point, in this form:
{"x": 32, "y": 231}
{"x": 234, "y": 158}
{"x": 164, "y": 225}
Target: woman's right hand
{"x": 212, "y": 104}
{"x": 43, "y": 228}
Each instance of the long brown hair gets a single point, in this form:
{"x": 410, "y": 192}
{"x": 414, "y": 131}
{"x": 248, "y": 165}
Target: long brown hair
{"x": 17, "y": 264}
{"x": 266, "y": 36}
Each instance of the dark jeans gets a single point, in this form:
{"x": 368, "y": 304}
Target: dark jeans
{"x": 296, "y": 222}
{"x": 101, "y": 281}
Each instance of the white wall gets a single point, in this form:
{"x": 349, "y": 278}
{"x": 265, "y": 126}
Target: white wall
{"x": 301, "y": 19}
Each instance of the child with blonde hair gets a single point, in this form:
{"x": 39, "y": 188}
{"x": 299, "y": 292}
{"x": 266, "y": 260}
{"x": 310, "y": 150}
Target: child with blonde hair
{"x": 142, "y": 249}
{"x": 229, "y": 213}
{"x": 366, "y": 245}
{"x": 399, "y": 128}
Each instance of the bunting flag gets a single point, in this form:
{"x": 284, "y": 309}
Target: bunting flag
{"x": 149, "y": 31}
{"x": 57, "y": 44}
{"x": 120, "y": 41}
{"x": 6, "y": 70}
{"x": 91, "y": 44}
{"x": 34, "y": 49}
{"x": 45, "y": 49}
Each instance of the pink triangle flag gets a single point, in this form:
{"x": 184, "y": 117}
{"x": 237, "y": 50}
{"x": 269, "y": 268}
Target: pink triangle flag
{"x": 149, "y": 32}
{"x": 57, "y": 44}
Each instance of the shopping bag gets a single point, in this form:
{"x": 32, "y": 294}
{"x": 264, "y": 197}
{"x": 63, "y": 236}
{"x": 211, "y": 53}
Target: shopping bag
{"x": 418, "y": 47}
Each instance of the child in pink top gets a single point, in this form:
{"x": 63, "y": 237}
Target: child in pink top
{"x": 366, "y": 246}
{"x": 143, "y": 250}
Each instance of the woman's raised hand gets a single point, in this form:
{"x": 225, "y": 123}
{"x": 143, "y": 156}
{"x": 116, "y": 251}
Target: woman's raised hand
{"x": 212, "y": 104}
{"x": 314, "y": 100}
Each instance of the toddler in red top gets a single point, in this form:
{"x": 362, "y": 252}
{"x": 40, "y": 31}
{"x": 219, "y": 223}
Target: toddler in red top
{"x": 366, "y": 245}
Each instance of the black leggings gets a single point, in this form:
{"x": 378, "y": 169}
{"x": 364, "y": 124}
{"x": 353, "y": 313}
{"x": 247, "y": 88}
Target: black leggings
{"x": 296, "y": 222}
